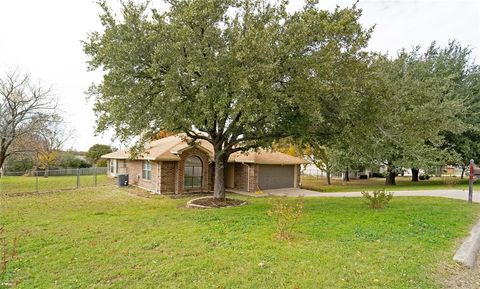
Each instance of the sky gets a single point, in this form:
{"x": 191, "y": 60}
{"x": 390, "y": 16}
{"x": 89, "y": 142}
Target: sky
{"x": 43, "y": 38}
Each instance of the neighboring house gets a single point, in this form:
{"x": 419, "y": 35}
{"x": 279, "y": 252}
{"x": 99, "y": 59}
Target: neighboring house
{"x": 172, "y": 166}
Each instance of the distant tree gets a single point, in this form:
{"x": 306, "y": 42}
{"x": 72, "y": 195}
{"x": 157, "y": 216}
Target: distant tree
{"x": 238, "y": 74}
{"x": 50, "y": 140}
{"x": 25, "y": 108}
{"x": 416, "y": 111}
{"x": 96, "y": 151}
{"x": 456, "y": 63}
{"x": 467, "y": 146}
{"x": 71, "y": 160}
{"x": 102, "y": 163}
{"x": 20, "y": 162}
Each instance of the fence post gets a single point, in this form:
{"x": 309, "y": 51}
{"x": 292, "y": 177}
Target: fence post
{"x": 95, "y": 176}
{"x": 36, "y": 181}
{"x": 78, "y": 178}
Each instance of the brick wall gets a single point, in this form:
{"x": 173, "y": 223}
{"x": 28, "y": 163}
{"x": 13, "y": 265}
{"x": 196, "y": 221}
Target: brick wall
{"x": 246, "y": 177}
{"x": 253, "y": 181}
{"x": 168, "y": 172}
{"x": 297, "y": 168}
{"x": 135, "y": 175}
{"x": 241, "y": 176}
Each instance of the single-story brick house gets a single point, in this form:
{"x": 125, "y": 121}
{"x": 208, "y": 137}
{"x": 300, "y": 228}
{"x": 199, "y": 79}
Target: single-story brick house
{"x": 172, "y": 166}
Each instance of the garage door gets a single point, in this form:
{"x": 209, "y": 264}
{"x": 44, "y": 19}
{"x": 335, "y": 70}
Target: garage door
{"x": 275, "y": 177}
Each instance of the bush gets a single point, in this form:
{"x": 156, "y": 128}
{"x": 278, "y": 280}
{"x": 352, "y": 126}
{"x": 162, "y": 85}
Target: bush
{"x": 286, "y": 214}
{"x": 102, "y": 163}
{"x": 378, "y": 199}
{"x": 19, "y": 164}
{"x": 69, "y": 160}
{"x": 450, "y": 181}
{"x": 424, "y": 177}
{"x": 363, "y": 177}
{"x": 378, "y": 175}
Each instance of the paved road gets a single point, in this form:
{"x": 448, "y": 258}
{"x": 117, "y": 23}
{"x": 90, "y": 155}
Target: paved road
{"x": 292, "y": 192}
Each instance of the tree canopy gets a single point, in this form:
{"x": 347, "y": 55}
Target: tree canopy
{"x": 237, "y": 74}
{"x": 96, "y": 151}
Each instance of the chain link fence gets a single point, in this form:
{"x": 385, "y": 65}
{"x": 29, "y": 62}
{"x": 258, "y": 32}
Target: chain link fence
{"x": 52, "y": 180}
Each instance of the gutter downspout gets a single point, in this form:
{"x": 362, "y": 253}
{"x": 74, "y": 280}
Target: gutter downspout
{"x": 248, "y": 176}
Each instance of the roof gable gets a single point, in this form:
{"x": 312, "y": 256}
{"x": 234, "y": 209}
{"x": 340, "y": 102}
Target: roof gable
{"x": 169, "y": 149}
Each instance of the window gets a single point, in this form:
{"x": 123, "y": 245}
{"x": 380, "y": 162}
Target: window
{"x": 113, "y": 166}
{"x": 147, "y": 170}
{"x": 193, "y": 173}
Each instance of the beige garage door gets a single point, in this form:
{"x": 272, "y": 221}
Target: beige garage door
{"x": 275, "y": 177}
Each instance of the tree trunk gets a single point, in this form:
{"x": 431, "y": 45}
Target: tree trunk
{"x": 415, "y": 173}
{"x": 219, "y": 183}
{"x": 45, "y": 174}
{"x": 463, "y": 172}
{"x": 3, "y": 157}
{"x": 391, "y": 174}
{"x": 346, "y": 178}
{"x": 329, "y": 181}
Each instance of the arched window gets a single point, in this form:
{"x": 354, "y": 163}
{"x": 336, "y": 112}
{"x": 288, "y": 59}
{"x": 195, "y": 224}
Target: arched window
{"x": 193, "y": 172}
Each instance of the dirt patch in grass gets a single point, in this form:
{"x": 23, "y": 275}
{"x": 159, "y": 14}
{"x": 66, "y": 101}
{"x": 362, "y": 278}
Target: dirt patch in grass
{"x": 457, "y": 276}
{"x": 210, "y": 202}
{"x": 189, "y": 195}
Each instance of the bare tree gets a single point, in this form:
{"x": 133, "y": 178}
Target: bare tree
{"x": 25, "y": 107}
{"x": 50, "y": 139}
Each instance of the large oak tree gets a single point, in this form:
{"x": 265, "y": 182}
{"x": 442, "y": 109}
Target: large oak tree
{"x": 414, "y": 111}
{"x": 237, "y": 74}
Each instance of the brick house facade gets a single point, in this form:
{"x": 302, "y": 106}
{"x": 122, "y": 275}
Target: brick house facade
{"x": 163, "y": 169}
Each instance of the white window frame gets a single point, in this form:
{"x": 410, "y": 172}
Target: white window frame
{"x": 147, "y": 171}
{"x": 113, "y": 166}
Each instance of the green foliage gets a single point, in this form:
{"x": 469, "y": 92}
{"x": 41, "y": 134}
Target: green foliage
{"x": 238, "y": 74}
{"x": 19, "y": 163}
{"x": 451, "y": 181}
{"x": 378, "y": 175}
{"x": 286, "y": 214}
{"x": 96, "y": 151}
{"x": 378, "y": 199}
{"x": 71, "y": 160}
{"x": 417, "y": 104}
{"x": 424, "y": 177}
{"x": 102, "y": 163}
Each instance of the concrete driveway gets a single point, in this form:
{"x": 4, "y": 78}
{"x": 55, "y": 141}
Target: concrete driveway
{"x": 294, "y": 192}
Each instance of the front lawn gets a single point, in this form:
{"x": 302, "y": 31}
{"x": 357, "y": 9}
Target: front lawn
{"x": 112, "y": 238}
{"x": 403, "y": 184}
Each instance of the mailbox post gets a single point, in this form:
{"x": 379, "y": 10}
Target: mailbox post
{"x": 474, "y": 174}
{"x": 470, "y": 182}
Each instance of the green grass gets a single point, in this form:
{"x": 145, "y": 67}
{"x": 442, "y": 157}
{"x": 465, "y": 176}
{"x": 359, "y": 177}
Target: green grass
{"x": 403, "y": 184}
{"x": 111, "y": 238}
{"x": 26, "y": 184}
